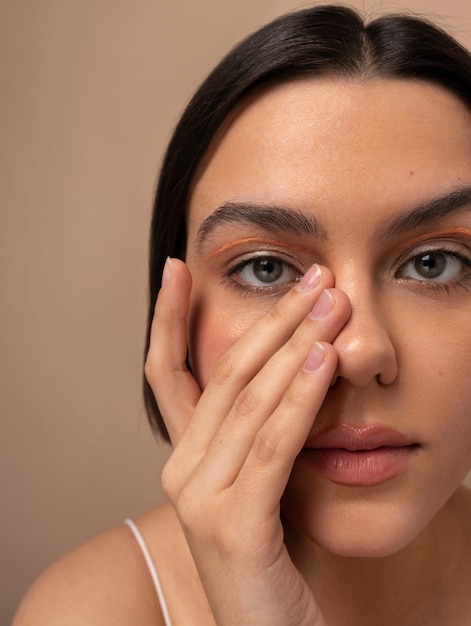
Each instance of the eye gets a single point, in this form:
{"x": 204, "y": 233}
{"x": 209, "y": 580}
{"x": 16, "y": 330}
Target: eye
{"x": 264, "y": 272}
{"x": 438, "y": 266}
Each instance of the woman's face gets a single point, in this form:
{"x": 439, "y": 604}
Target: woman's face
{"x": 381, "y": 171}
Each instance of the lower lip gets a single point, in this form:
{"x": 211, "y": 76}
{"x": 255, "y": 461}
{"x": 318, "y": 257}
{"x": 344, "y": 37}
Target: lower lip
{"x": 360, "y": 467}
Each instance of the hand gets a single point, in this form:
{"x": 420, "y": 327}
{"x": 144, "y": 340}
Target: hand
{"x": 236, "y": 442}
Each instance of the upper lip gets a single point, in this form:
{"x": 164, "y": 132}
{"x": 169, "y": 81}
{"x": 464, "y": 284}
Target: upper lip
{"x": 356, "y": 437}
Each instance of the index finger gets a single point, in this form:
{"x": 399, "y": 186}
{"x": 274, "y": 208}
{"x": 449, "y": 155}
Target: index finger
{"x": 249, "y": 354}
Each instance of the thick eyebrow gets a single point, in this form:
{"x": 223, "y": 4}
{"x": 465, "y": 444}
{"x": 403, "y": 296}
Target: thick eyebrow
{"x": 276, "y": 219}
{"x": 430, "y": 211}
{"x": 270, "y": 218}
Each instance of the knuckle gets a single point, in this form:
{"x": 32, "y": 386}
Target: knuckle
{"x": 297, "y": 345}
{"x": 223, "y": 370}
{"x": 266, "y": 446}
{"x": 168, "y": 481}
{"x": 185, "y": 507}
{"x": 154, "y": 360}
{"x": 149, "y": 367}
{"x": 294, "y": 399}
{"x": 192, "y": 509}
{"x": 246, "y": 402}
{"x": 190, "y": 499}
{"x": 278, "y": 314}
{"x": 153, "y": 374}
{"x": 182, "y": 497}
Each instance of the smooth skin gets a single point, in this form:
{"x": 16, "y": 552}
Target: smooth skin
{"x": 345, "y": 325}
{"x": 282, "y": 353}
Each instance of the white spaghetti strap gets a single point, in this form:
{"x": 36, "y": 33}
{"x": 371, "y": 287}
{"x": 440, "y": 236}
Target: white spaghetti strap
{"x": 153, "y": 572}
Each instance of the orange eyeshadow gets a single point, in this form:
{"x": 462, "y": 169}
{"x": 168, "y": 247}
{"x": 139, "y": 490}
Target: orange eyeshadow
{"x": 256, "y": 240}
{"x": 446, "y": 232}
{"x": 279, "y": 244}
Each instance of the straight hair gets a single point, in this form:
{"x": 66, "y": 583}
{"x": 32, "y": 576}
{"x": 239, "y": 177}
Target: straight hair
{"x": 320, "y": 41}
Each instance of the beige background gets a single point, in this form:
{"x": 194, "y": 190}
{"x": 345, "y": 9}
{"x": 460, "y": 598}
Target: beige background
{"x": 89, "y": 92}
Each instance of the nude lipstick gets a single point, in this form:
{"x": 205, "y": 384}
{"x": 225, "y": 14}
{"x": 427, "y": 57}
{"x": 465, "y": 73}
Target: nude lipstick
{"x": 350, "y": 454}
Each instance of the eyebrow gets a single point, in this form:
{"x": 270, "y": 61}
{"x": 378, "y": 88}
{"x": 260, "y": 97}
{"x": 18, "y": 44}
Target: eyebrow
{"x": 277, "y": 219}
{"x": 430, "y": 211}
{"x": 270, "y": 218}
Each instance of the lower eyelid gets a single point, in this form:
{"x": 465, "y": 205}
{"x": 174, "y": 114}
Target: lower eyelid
{"x": 462, "y": 280}
{"x": 244, "y": 289}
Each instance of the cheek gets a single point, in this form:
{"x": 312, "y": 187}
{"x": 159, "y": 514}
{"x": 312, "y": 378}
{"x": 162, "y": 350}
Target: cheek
{"x": 213, "y": 329}
{"x": 435, "y": 364}
{"x": 209, "y": 340}
{"x": 436, "y": 377}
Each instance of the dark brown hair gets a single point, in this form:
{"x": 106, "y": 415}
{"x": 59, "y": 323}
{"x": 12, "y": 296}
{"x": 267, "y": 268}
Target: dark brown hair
{"x": 320, "y": 41}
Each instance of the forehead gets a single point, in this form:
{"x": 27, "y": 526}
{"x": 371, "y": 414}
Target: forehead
{"x": 322, "y": 144}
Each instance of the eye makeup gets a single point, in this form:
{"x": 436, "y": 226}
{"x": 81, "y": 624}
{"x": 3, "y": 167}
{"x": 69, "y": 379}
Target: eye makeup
{"x": 446, "y": 232}
{"x": 258, "y": 248}
{"x": 440, "y": 252}
{"x": 256, "y": 241}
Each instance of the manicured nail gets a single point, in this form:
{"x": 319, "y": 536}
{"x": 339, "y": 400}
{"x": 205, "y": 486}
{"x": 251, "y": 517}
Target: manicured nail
{"x": 167, "y": 273}
{"x": 315, "y": 358}
{"x": 323, "y": 306}
{"x": 310, "y": 279}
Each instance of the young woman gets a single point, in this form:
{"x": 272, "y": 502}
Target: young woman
{"x": 309, "y": 351}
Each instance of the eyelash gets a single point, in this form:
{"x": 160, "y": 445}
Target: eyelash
{"x": 463, "y": 281}
{"x": 262, "y": 290}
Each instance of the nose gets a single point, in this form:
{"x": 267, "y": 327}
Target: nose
{"x": 365, "y": 345}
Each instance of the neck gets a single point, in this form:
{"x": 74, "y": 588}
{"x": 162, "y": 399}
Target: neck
{"x": 426, "y": 582}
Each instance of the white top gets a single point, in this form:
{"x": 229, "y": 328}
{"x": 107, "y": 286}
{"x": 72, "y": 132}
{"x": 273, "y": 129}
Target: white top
{"x": 152, "y": 570}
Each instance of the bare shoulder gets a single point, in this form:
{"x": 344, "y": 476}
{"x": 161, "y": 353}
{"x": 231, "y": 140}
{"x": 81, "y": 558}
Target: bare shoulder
{"x": 104, "y": 581}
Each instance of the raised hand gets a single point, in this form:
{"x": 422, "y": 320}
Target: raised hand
{"x": 235, "y": 442}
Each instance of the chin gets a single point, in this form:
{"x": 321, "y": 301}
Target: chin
{"x": 357, "y": 522}
{"x": 365, "y": 541}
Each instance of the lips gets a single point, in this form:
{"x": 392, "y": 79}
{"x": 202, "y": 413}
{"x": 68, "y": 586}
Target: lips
{"x": 350, "y": 454}
{"x": 353, "y": 437}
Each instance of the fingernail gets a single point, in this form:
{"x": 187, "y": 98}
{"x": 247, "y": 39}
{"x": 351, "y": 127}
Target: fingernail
{"x": 323, "y": 306}
{"x": 167, "y": 273}
{"x": 315, "y": 358}
{"x": 310, "y": 279}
